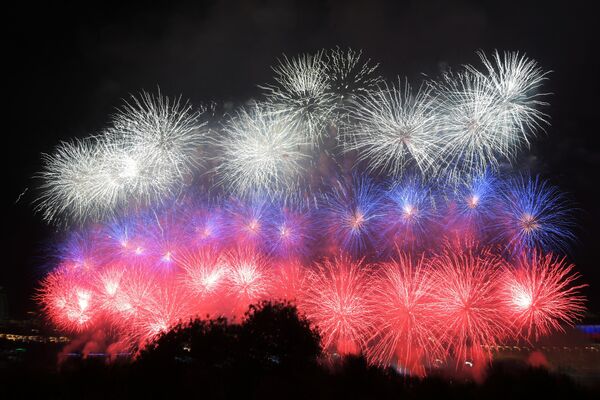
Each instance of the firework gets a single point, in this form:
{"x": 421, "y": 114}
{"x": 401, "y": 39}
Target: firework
{"x": 517, "y": 81}
{"x": 459, "y": 259}
{"x": 289, "y": 233}
{"x": 534, "y": 214}
{"x": 107, "y": 284}
{"x": 68, "y": 299}
{"x": 249, "y": 278}
{"x": 409, "y": 213}
{"x": 302, "y": 93}
{"x": 466, "y": 299}
{"x": 204, "y": 275}
{"x": 476, "y": 198}
{"x": 144, "y": 156}
{"x": 248, "y": 222}
{"x": 206, "y": 226}
{"x": 336, "y": 300}
{"x": 350, "y": 214}
{"x": 137, "y": 285}
{"x": 395, "y": 129}
{"x": 69, "y": 182}
{"x": 164, "y": 133}
{"x": 404, "y": 328}
{"x": 262, "y": 153}
{"x": 540, "y": 294}
{"x": 474, "y": 136}
{"x": 167, "y": 305}
{"x": 472, "y": 207}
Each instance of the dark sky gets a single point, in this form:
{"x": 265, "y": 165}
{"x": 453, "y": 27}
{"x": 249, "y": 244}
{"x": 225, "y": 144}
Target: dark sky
{"x": 70, "y": 65}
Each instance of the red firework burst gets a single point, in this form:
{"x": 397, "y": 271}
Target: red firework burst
{"x": 166, "y": 306}
{"x": 466, "y": 301}
{"x": 540, "y": 294}
{"x": 404, "y": 326}
{"x": 337, "y": 301}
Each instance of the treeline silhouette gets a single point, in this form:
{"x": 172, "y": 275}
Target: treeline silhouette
{"x": 274, "y": 353}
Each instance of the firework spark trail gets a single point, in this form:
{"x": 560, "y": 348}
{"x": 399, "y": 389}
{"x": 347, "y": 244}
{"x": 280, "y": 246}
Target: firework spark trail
{"x": 336, "y": 300}
{"x": 349, "y": 74}
{"x": 394, "y": 129}
{"x": 404, "y": 327}
{"x": 540, "y": 295}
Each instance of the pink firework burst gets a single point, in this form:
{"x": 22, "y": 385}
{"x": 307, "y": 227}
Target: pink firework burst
{"x": 137, "y": 286}
{"x": 249, "y": 279}
{"x": 337, "y": 301}
{"x": 167, "y": 305}
{"x": 540, "y": 294}
{"x": 405, "y": 316}
{"x": 107, "y": 285}
{"x": 204, "y": 274}
{"x": 466, "y": 301}
{"x": 68, "y": 299}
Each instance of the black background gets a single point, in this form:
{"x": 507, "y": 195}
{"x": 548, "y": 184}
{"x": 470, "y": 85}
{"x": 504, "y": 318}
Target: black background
{"x": 69, "y": 65}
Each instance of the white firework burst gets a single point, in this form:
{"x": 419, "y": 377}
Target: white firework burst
{"x": 302, "y": 93}
{"x": 69, "y": 178}
{"x": 350, "y": 74}
{"x": 487, "y": 117}
{"x": 165, "y": 133}
{"x": 394, "y": 128}
{"x": 474, "y": 136}
{"x": 517, "y": 80}
{"x": 262, "y": 153}
{"x": 147, "y": 154}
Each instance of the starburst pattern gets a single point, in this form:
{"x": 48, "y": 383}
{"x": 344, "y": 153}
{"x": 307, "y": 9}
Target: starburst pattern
{"x": 395, "y": 129}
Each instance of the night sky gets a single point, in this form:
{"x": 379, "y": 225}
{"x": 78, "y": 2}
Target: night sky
{"x": 70, "y": 66}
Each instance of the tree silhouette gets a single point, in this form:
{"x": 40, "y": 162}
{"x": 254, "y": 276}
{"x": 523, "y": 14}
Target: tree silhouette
{"x": 273, "y": 335}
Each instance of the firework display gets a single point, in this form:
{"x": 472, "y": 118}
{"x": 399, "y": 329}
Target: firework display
{"x": 381, "y": 211}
